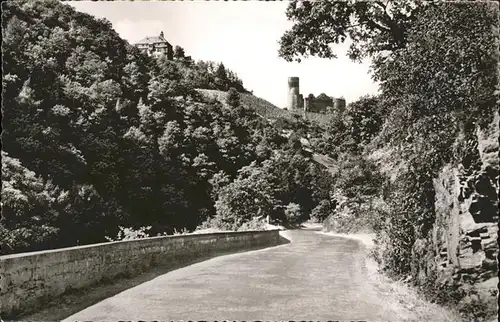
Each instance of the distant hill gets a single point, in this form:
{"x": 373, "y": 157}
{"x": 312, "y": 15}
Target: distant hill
{"x": 267, "y": 109}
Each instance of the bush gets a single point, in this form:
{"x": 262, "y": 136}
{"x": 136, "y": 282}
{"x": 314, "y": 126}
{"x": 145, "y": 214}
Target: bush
{"x": 321, "y": 211}
{"x": 233, "y": 98}
{"x": 128, "y": 233}
{"x": 293, "y": 214}
{"x": 257, "y": 223}
{"x": 29, "y": 209}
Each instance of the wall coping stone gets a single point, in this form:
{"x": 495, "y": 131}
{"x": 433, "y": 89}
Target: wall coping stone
{"x": 139, "y": 240}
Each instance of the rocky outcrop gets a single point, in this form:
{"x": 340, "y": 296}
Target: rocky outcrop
{"x": 456, "y": 261}
{"x": 460, "y": 253}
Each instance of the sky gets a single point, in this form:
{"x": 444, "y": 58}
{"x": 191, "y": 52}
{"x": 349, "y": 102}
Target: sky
{"x": 242, "y": 35}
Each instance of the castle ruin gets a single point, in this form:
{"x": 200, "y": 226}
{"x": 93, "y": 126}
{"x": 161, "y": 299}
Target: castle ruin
{"x": 320, "y": 104}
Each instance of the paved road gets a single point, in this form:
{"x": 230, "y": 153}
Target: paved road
{"x": 316, "y": 277}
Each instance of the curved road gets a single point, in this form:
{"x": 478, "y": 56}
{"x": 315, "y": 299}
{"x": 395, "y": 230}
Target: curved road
{"x": 315, "y": 277}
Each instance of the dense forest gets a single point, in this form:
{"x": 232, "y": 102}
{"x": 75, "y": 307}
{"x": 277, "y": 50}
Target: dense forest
{"x": 97, "y": 136}
{"x": 205, "y": 74}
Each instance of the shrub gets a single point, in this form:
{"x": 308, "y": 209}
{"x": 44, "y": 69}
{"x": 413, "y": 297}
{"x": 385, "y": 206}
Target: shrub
{"x": 293, "y": 213}
{"x": 257, "y": 223}
{"x": 128, "y": 233}
{"x": 321, "y": 211}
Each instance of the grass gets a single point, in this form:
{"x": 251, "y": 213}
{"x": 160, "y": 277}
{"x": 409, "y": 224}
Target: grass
{"x": 408, "y": 298}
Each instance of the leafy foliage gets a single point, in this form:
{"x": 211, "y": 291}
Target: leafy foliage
{"x": 443, "y": 81}
{"x": 233, "y": 98}
{"x": 322, "y": 211}
{"x": 23, "y": 193}
{"x": 126, "y": 136}
{"x": 269, "y": 188}
{"x": 126, "y": 233}
{"x": 179, "y": 52}
{"x": 353, "y": 129}
{"x": 439, "y": 87}
{"x": 293, "y": 213}
{"x": 209, "y": 75}
{"x": 373, "y": 27}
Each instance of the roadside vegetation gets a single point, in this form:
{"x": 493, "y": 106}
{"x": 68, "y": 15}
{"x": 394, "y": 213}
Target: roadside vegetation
{"x": 437, "y": 65}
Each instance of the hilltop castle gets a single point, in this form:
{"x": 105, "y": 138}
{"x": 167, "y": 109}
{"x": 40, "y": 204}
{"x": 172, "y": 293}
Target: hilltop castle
{"x": 156, "y": 46}
{"x": 320, "y": 104}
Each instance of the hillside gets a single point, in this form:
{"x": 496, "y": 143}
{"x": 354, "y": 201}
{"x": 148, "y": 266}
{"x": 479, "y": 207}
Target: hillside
{"x": 261, "y": 106}
{"x": 270, "y": 111}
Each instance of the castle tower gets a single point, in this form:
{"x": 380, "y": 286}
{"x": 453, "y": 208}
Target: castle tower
{"x": 293, "y": 93}
{"x": 339, "y": 104}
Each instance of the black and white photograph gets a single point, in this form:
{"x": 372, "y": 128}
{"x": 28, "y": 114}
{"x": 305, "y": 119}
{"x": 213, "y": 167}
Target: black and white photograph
{"x": 252, "y": 160}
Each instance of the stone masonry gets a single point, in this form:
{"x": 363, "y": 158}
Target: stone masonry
{"x": 28, "y": 280}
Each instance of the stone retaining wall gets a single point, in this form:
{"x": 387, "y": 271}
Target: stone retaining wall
{"x": 28, "y": 280}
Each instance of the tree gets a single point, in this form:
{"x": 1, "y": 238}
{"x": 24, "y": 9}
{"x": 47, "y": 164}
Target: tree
{"x": 233, "y": 98}
{"x": 364, "y": 118}
{"x": 357, "y": 177}
{"x": 221, "y": 79}
{"x": 293, "y": 213}
{"x": 179, "y": 53}
{"x": 221, "y": 71}
{"x": 250, "y": 195}
{"x": 322, "y": 210}
{"x": 440, "y": 88}
{"x": 324, "y": 97}
{"x": 188, "y": 61}
{"x": 449, "y": 85}
{"x": 29, "y": 209}
{"x": 373, "y": 27}
{"x": 125, "y": 139}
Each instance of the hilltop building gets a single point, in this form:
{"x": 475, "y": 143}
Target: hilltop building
{"x": 320, "y": 104}
{"x": 156, "y": 46}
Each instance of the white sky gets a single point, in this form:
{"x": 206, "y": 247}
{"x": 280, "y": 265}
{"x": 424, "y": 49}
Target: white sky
{"x": 242, "y": 35}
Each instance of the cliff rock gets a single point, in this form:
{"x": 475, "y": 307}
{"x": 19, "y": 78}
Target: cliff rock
{"x": 460, "y": 254}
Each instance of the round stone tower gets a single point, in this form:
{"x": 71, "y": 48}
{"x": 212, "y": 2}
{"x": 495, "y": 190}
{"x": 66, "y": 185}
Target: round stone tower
{"x": 293, "y": 93}
{"x": 339, "y": 104}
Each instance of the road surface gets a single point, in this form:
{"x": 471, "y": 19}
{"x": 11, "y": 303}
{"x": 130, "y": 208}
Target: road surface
{"x": 315, "y": 277}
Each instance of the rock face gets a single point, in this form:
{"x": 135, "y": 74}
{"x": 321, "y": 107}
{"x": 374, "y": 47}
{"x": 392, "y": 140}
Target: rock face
{"x": 456, "y": 262}
{"x": 461, "y": 252}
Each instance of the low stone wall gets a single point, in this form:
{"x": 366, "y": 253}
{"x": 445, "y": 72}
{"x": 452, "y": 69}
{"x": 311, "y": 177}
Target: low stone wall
{"x": 28, "y": 280}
